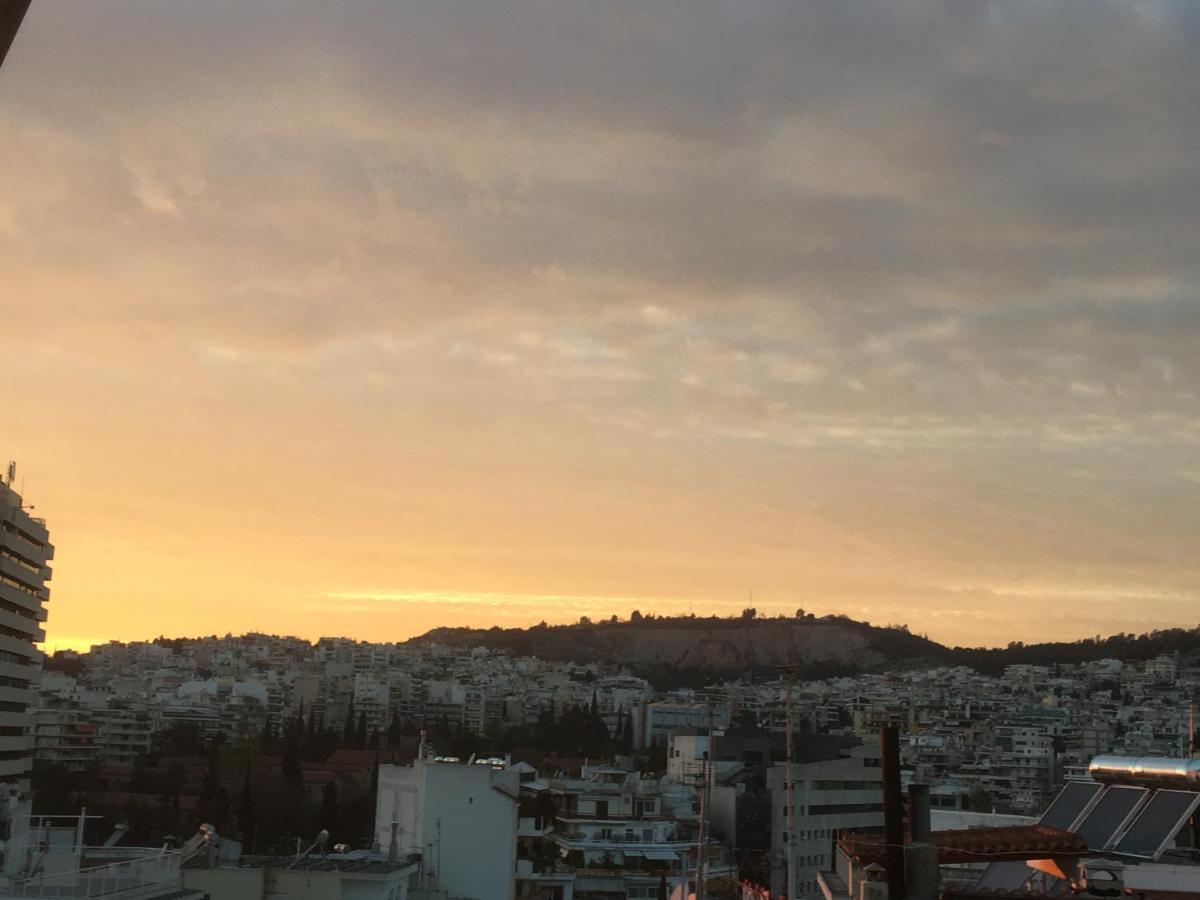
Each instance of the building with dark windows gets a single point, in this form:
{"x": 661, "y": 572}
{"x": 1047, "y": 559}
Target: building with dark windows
{"x": 25, "y": 554}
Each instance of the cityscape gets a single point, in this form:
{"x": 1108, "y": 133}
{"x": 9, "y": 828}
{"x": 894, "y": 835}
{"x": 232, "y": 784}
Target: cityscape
{"x": 559, "y": 450}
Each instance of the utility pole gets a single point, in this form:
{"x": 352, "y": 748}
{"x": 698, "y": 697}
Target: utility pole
{"x": 702, "y": 831}
{"x": 11, "y": 14}
{"x": 1191, "y": 735}
{"x": 787, "y": 782}
{"x": 893, "y": 810}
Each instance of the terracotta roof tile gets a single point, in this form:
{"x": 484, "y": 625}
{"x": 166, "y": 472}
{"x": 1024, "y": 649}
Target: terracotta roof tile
{"x": 1018, "y": 842}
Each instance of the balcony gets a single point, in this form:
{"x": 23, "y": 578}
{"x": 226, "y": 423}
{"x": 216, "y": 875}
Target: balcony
{"x": 582, "y": 840}
{"x": 534, "y": 827}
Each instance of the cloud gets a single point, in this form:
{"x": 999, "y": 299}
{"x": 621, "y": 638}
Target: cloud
{"x": 947, "y": 242}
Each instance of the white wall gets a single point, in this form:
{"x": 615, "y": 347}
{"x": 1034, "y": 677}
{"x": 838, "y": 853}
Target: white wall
{"x": 462, "y": 818}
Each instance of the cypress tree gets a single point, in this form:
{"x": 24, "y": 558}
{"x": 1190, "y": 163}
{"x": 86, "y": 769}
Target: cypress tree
{"x": 331, "y": 817}
{"x": 348, "y": 727}
{"x": 360, "y": 734}
{"x": 245, "y": 814}
{"x": 293, "y": 772}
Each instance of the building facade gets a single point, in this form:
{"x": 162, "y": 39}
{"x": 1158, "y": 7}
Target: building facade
{"x": 461, "y": 819}
{"x": 829, "y": 798}
{"x": 25, "y": 554}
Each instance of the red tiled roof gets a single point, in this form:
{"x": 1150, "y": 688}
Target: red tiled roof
{"x": 1019, "y": 842}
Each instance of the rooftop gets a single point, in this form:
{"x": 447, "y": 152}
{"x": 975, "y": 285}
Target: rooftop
{"x": 1020, "y": 842}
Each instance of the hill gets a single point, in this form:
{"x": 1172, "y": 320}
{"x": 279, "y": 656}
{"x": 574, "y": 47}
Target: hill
{"x": 683, "y": 649}
{"x": 689, "y": 650}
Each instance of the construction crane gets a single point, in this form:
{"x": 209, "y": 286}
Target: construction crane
{"x": 11, "y": 14}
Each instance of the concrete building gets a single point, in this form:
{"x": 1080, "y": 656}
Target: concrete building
{"x": 462, "y": 820}
{"x": 123, "y": 735}
{"x": 828, "y": 798}
{"x": 65, "y": 736}
{"x": 357, "y": 875}
{"x": 621, "y": 833}
{"x": 653, "y": 723}
{"x": 25, "y": 553}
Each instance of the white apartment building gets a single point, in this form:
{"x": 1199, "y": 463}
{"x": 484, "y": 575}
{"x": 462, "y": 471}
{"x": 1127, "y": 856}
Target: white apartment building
{"x": 25, "y": 553}
{"x": 827, "y": 797}
{"x": 620, "y": 833}
{"x": 462, "y": 819}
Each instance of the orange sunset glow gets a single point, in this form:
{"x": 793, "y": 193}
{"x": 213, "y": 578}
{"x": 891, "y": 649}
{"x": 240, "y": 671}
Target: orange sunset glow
{"x": 366, "y": 318}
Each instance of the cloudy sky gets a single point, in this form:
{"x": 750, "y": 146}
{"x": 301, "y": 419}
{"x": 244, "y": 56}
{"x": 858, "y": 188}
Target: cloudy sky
{"x": 360, "y": 318}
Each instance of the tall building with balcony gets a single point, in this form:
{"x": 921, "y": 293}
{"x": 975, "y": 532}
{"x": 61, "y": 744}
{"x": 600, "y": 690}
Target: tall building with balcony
{"x": 25, "y": 554}
{"x": 621, "y": 834}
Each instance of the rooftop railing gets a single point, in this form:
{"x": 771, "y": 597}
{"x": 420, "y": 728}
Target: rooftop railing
{"x": 130, "y": 879}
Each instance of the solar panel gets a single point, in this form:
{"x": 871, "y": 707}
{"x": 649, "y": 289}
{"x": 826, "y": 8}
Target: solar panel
{"x": 1157, "y": 823}
{"x": 1010, "y": 875}
{"x": 1109, "y": 813}
{"x": 1070, "y": 803}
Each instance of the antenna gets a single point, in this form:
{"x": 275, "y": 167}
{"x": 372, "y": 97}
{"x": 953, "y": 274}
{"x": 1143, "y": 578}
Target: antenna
{"x": 1191, "y": 736}
{"x": 12, "y": 472}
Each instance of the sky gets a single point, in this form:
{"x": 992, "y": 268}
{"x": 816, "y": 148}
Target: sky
{"x": 368, "y": 317}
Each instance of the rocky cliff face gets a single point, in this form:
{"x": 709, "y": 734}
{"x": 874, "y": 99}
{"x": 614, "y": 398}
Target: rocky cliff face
{"x": 716, "y": 645}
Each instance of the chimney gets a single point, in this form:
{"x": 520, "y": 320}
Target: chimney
{"x": 920, "y": 854}
{"x": 893, "y": 810}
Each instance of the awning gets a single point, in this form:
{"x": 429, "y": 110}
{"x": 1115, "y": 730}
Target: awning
{"x": 663, "y": 855}
{"x": 633, "y": 854}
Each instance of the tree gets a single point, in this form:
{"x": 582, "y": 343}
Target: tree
{"x": 749, "y": 612}
{"x": 635, "y": 616}
{"x": 394, "y": 732}
{"x": 245, "y": 814}
{"x": 268, "y": 736}
{"x": 212, "y": 804}
{"x": 331, "y": 818}
{"x": 348, "y": 726}
{"x": 360, "y": 733}
{"x": 293, "y": 772}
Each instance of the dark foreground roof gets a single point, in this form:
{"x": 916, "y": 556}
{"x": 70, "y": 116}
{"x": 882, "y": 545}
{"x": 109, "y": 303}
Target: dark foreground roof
{"x": 1019, "y": 842}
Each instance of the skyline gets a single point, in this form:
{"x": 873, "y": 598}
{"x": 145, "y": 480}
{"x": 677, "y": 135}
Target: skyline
{"x": 370, "y": 319}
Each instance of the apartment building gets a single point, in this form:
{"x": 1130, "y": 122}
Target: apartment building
{"x": 25, "y": 554}
{"x": 461, "y": 819}
{"x": 828, "y": 797}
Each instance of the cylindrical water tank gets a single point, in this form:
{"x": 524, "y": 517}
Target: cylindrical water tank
{"x": 1147, "y": 771}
